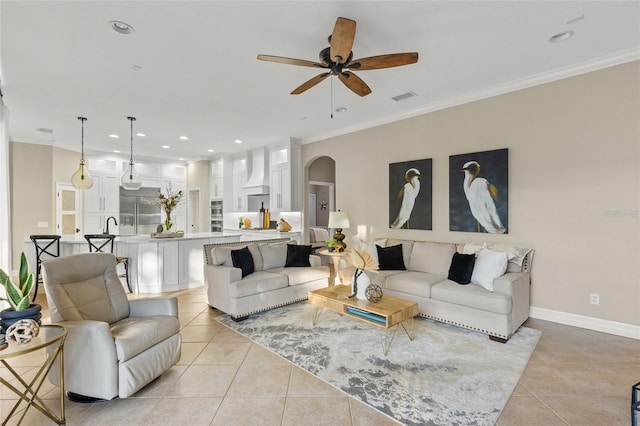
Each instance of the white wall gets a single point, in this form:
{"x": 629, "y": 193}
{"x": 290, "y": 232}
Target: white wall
{"x": 574, "y": 183}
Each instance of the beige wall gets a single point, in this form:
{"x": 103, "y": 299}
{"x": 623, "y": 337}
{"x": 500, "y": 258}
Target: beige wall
{"x": 574, "y": 182}
{"x": 199, "y": 177}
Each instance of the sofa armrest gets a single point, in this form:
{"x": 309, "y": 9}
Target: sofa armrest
{"x": 151, "y": 306}
{"x": 516, "y": 285}
{"x": 90, "y": 360}
{"x": 221, "y": 275}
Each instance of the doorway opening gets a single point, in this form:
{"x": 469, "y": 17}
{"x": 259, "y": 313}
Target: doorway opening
{"x": 194, "y": 210}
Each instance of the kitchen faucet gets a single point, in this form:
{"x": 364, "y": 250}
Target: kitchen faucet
{"x": 115, "y": 222}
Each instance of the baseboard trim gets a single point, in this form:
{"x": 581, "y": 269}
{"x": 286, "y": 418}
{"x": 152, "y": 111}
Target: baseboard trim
{"x": 590, "y": 323}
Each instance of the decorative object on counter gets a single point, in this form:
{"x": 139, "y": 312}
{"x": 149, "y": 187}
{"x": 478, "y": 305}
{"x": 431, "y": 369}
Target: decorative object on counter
{"x": 261, "y": 214}
{"x": 339, "y": 220}
{"x": 373, "y": 293}
{"x": 331, "y": 245}
{"x": 82, "y": 179}
{"x": 362, "y": 260}
{"x": 168, "y": 202}
{"x": 283, "y": 226}
{"x": 246, "y": 222}
{"x": 130, "y": 179}
{"x": 166, "y": 234}
{"x": 159, "y": 229}
{"x": 18, "y": 297}
{"x": 241, "y": 222}
{"x": 22, "y": 331}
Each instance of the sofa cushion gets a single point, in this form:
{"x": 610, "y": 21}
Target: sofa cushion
{"x": 273, "y": 255}
{"x": 417, "y": 283}
{"x": 297, "y": 256}
{"x": 302, "y": 275}
{"x": 380, "y": 277}
{"x": 433, "y": 258}
{"x": 371, "y": 247}
{"x": 461, "y": 268}
{"x": 133, "y": 336}
{"x": 473, "y": 296}
{"x": 242, "y": 259}
{"x": 390, "y": 258}
{"x": 489, "y": 265}
{"x": 258, "y": 282}
{"x": 222, "y": 255}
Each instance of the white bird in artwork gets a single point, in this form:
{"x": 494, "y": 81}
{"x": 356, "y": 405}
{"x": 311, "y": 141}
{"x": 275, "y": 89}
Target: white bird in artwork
{"x": 408, "y": 193}
{"x": 481, "y": 196}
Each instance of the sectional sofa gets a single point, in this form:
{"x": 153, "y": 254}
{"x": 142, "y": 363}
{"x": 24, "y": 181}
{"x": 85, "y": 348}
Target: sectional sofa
{"x": 267, "y": 274}
{"x": 493, "y": 300}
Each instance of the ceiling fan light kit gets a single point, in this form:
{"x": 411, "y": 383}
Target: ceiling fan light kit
{"x": 337, "y": 59}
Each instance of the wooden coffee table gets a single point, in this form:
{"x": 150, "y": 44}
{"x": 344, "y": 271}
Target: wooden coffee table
{"x": 389, "y": 313}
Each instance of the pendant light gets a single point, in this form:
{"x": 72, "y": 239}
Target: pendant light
{"x": 130, "y": 179}
{"x": 81, "y": 179}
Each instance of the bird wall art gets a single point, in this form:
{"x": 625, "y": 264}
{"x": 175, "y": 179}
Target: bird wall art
{"x": 410, "y": 195}
{"x": 478, "y": 192}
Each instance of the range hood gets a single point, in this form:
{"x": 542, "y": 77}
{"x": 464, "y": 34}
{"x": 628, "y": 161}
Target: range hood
{"x": 258, "y": 182}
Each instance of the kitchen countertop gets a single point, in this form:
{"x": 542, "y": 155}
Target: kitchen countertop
{"x": 79, "y": 238}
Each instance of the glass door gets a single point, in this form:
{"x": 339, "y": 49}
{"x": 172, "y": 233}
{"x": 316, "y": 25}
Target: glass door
{"x": 67, "y": 209}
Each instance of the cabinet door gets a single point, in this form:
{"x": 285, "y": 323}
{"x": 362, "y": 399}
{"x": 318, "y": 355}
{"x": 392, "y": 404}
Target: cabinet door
{"x": 240, "y": 202}
{"x": 93, "y": 223}
{"x": 93, "y": 196}
{"x": 285, "y": 189}
{"x": 276, "y": 190}
{"x": 111, "y": 193}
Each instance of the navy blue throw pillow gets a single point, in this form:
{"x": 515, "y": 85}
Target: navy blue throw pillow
{"x": 390, "y": 258}
{"x": 242, "y": 259}
{"x": 297, "y": 255}
{"x": 462, "y": 268}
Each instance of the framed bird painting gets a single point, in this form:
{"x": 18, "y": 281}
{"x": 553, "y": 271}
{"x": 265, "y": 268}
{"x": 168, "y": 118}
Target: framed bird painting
{"x": 479, "y": 192}
{"x": 410, "y": 195}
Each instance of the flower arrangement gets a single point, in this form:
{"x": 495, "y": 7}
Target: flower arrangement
{"x": 363, "y": 261}
{"x": 168, "y": 202}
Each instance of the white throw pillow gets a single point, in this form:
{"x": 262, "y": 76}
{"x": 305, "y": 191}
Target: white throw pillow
{"x": 489, "y": 265}
{"x": 371, "y": 247}
{"x": 273, "y": 255}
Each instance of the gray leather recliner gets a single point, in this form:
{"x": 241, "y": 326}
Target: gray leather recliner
{"x": 114, "y": 346}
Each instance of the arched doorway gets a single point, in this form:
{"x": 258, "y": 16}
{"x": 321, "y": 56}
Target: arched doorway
{"x": 321, "y": 191}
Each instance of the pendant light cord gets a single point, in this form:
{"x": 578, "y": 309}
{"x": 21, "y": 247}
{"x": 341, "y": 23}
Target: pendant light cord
{"x": 131, "y": 119}
{"x": 82, "y": 120}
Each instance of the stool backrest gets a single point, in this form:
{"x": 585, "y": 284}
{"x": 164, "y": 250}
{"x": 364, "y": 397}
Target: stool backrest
{"x": 100, "y": 242}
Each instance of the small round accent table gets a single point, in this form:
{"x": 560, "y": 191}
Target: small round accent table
{"x": 335, "y": 259}
{"x": 50, "y": 336}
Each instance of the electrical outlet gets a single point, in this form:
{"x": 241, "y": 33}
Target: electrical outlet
{"x": 595, "y": 299}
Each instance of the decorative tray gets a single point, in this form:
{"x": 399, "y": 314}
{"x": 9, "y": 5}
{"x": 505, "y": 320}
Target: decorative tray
{"x": 167, "y": 234}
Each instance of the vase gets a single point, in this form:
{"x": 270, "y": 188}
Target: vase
{"x": 8, "y": 316}
{"x": 167, "y": 222}
{"x": 359, "y": 284}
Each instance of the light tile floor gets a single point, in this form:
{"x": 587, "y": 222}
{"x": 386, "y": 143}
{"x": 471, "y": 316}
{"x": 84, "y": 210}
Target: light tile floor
{"x": 575, "y": 377}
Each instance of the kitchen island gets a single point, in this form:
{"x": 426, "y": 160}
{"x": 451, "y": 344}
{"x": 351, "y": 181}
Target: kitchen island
{"x": 156, "y": 265}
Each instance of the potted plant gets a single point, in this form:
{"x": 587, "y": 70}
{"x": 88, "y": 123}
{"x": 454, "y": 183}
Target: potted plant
{"x": 168, "y": 202}
{"x": 331, "y": 244}
{"x": 19, "y": 297}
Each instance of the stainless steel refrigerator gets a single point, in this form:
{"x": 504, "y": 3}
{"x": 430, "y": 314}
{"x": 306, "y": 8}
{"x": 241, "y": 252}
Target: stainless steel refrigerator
{"x": 138, "y": 212}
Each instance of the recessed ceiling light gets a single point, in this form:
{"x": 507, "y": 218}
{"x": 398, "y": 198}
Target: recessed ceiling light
{"x": 121, "y": 27}
{"x": 166, "y": 146}
{"x": 114, "y": 136}
{"x": 181, "y": 159}
{"x": 184, "y": 138}
{"x": 564, "y": 35}
{"x": 117, "y": 151}
{"x": 210, "y": 150}
{"x": 141, "y": 135}
{"x": 44, "y": 130}
{"x": 237, "y": 141}
{"x": 341, "y": 109}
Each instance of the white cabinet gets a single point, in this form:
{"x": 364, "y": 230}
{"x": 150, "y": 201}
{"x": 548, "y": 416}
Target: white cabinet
{"x": 217, "y": 179}
{"x": 285, "y": 180}
{"x": 280, "y": 189}
{"x": 101, "y": 201}
{"x": 240, "y": 202}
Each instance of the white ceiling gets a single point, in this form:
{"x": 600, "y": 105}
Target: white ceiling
{"x": 199, "y": 75}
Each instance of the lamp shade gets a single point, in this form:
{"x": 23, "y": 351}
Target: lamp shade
{"x": 338, "y": 220}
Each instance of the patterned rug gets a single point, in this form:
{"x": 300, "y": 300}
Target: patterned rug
{"x": 445, "y": 376}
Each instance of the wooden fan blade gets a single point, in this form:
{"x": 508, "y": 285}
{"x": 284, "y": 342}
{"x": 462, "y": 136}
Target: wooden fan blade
{"x": 342, "y": 40}
{"x": 310, "y": 83}
{"x": 384, "y": 61}
{"x": 354, "y": 83}
{"x": 291, "y": 61}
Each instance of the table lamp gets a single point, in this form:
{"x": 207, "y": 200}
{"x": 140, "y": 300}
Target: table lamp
{"x": 339, "y": 221}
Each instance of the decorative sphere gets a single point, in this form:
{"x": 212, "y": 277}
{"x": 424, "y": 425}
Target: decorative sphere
{"x": 373, "y": 293}
{"x": 22, "y": 331}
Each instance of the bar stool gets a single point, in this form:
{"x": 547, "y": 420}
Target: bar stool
{"x": 99, "y": 242}
{"x": 45, "y": 245}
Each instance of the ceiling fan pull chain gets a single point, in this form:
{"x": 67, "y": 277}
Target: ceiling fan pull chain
{"x": 332, "y": 97}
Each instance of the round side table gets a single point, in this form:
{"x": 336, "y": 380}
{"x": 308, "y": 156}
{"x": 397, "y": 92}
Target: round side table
{"x": 335, "y": 259}
{"x": 52, "y": 337}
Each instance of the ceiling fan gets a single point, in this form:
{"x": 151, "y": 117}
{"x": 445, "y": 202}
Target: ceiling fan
{"x": 338, "y": 60}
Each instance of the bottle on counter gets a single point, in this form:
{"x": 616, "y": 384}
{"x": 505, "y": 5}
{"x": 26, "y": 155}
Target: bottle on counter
{"x": 261, "y": 216}
{"x": 267, "y": 219}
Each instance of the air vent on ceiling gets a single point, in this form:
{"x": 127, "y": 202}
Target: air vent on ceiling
{"x": 404, "y": 96}
{"x": 43, "y": 130}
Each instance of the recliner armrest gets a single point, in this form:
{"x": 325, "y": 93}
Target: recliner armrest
{"x": 152, "y": 306}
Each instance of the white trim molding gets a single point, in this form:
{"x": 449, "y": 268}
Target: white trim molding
{"x": 590, "y": 323}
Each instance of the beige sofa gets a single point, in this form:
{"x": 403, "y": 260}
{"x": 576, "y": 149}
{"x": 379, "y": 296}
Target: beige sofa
{"x": 270, "y": 285}
{"x": 498, "y": 308}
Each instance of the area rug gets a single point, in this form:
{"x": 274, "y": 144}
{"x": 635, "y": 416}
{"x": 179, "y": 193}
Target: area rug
{"x": 445, "y": 376}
